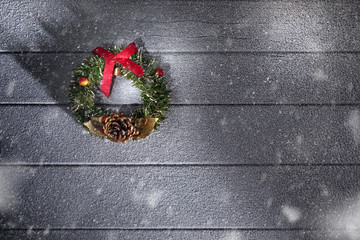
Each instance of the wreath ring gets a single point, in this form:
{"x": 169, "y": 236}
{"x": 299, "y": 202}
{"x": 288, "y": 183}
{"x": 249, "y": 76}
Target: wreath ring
{"x": 101, "y": 68}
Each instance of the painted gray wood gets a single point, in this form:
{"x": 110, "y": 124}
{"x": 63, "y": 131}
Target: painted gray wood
{"x": 181, "y": 25}
{"x": 284, "y": 168}
{"x": 191, "y": 134}
{"x": 298, "y": 197}
{"x": 198, "y": 78}
{"x": 49, "y": 234}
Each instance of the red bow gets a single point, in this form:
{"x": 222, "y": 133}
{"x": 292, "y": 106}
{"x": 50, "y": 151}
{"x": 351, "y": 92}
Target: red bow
{"x": 122, "y": 58}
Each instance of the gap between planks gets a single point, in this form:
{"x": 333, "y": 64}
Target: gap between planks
{"x": 150, "y": 164}
{"x": 165, "y": 229}
{"x": 7, "y": 104}
{"x": 4, "y": 52}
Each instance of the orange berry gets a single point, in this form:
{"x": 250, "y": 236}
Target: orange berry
{"x": 83, "y": 81}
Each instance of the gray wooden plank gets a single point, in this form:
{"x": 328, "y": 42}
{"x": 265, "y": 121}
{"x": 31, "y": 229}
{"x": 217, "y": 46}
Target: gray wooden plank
{"x": 191, "y": 134}
{"x": 51, "y": 25}
{"x": 298, "y": 197}
{"x": 198, "y": 78}
{"x": 51, "y": 234}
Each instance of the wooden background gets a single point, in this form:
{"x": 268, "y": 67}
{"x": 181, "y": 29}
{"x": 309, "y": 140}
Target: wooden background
{"x": 261, "y": 141}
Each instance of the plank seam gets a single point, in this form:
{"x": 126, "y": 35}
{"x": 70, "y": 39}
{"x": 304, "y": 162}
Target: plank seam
{"x": 117, "y": 165}
{"x": 166, "y": 229}
{"x": 6, "y": 104}
{"x": 190, "y": 52}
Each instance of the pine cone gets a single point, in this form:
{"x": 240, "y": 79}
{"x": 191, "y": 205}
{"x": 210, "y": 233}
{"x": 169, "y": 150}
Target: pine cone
{"x": 119, "y": 128}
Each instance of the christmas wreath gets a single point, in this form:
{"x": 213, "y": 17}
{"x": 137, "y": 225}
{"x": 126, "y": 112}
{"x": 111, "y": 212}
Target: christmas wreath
{"x": 101, "y": 68}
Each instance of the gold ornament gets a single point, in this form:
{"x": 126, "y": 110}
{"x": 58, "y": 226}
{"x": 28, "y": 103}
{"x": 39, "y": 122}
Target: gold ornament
{"x": 145, "y": 126}
{"x": 117, "y": 71}
{"x": 94, "y": 125}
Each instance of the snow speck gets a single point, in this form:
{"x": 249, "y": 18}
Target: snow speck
{"x": 10, "y": 88}
{"x": 29, "y": 230}
{"x": 223, "y": 121}
{"x": 145, "y": 222}
{"x": 153, "y": 198}
{"x": 187, "y": 101}
{"x": 46, "y": 231}
{"x": 51, "y": 115}
{"x": 149, "y": 197}
{"x": 347, "y": 217}
{"x": 112, "y": 236}
{"x": 98, "y": 191}
{"x": 210, "y": 222}
{"x": 319, "y": 75}
{"x": 292, "y": 214}
{"x": 170, "y": 211}
{"x": 324, "y": 190}
{"x": 353, "y": 124}
{"x": 234, "y": 235}
{"x": 314, "y": 43}
{"x": 7, "y": 188}
{"x": 263, "y": 177}
{"x": 300, "y": 148}
{"x": 269, "y": 202}
{"x": 274, "y": 86}
{"x": 299, "y": 139}
{"x": 229, "y": 42}
{"x": 278, "y": 156}
{"x": 224, "y": 196}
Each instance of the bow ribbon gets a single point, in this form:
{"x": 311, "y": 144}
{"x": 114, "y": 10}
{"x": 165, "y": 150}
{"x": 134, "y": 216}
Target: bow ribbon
{"x": 122, "y": 58}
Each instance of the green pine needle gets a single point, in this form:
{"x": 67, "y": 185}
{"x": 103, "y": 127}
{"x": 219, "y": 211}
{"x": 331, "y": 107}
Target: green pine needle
{"x": 154, "y": 93}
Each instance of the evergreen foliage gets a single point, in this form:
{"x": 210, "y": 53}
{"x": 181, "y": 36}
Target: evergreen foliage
{"x": 154, "y": 93}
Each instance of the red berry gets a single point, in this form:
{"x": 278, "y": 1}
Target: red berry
{"x": 83, "y": 81}
{"x": 104, "y": 118}
{"x": 159, "y": 72}
{"x": 102, "y": 131}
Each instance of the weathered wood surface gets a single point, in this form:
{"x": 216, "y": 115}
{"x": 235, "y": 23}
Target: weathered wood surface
{"x": 262, "y": 139}
{"x": 181, "y": 25}
{"x": 191, "y": 134}
{"x": 279, "y": 197}
{"x": 153, "y": 234}
{"x": 216, "y": 78}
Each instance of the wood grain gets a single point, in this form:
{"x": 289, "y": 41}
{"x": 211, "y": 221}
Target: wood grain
{"x": 261, "y": 142}
{"x": 191, "y": 134}
{"x": 181, "y": 25}
{"x": 154, "y": 234}
{"x": 305, "y": 197}
{"x": 198, "y": 78}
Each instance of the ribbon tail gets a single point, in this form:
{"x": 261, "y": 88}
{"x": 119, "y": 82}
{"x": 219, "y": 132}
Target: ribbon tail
{"x": 107, "y": 77}
{"x": 103, "y": 53}
{"x": 133, "y": 67}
